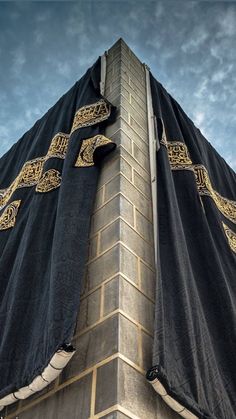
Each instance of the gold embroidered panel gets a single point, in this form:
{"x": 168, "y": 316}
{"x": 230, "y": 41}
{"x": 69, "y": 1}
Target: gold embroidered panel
{"x": 231, "y": 236}
{"x": 50, "y": 180}
{"x": 58, "y": 146}
{"x": 85, "y": 157}
{"x": 225, "y": 206}
{"x": 91, "y": 114}
{"x": 32, "y": 170}
{"x": 8, "y": 217}
{"x": 178, "y": 155}
{"x": 180, "y": 160}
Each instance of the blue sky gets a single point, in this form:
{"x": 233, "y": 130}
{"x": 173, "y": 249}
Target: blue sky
{"x": 190, "y": 47}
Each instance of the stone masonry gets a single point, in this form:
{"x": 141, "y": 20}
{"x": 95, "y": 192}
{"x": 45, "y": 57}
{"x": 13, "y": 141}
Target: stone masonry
{"x": 114, "y": 335}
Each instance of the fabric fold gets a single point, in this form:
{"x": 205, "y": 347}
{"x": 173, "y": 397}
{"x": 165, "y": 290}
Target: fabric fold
{"x": 193, "y": 366}
{"x": 46, "y": 203}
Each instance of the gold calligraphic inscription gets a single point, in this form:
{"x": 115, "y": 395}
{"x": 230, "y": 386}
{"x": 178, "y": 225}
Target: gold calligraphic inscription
{"x": 91, "y": 114}
{"x": 8, "y": 217}
{"x": 58, "y": 146}
{"x": 50, "y": 180}
{"x": 231, "y": 236}
{"x": 30, "y": 172}
{"x": 225, "y": 206}
{"x": 85, "y": 157}
{"x": 178, "y": 155}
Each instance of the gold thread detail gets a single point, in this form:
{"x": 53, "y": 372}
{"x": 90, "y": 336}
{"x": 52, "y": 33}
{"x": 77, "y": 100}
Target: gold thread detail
{"x": 178, "y": 155}
{"x": 50, "y": 180}
{"x": 224, "y": 205}
{"x": 8, "y": 217}
{"x": 180, "y": 160}
{"x": 32, "y": 170}
{"x": 85, "y": 157}
{"x": 91, "y": 114}
{"x": 231, "y": 237}
{"x": 58, "y": 146}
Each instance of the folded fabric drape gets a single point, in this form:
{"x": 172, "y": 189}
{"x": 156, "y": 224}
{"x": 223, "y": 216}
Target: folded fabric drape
{"x": 48, "y": 186}
{"x": 194, "y": 367}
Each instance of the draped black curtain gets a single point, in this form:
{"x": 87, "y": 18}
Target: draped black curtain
{"x": 194, "y": 354}
{"x": 48, "y": 185}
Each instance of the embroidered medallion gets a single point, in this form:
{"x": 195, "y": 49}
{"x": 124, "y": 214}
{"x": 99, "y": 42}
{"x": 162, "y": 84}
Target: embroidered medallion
{"x": 85, "y": 157}
{"x": 50, "y": 180}
{"x": 178, "y": 155}
{"x": 8, "y": 217}
{"x": 231, "y": 236}
{"x": 58, "y": 146}
{"x": 91, "y": 114}
{"x": 30, "y": 172}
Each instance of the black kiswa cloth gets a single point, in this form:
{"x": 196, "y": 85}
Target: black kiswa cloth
{"x": 194, "y": 352}
{"x": 46, "y": 206}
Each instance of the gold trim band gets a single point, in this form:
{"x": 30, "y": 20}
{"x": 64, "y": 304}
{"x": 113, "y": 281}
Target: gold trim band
{"x": 180, "y": 160}
{"x": 85, "y": 157}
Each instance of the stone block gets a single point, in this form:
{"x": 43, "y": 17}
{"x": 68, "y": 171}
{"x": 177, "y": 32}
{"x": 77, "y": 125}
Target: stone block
{"x": 129, "y": 339}
{"x": 136, "y": 305}
{"x": 72, "y": 401}
{"x": 135, "y": 393}
{"x": 109, "y": 171}
{"x": 145, "y": 228}
{"x": 133, "y": 108}
{"x": 89, "y": 311}
{"x": 111, "y": 296}
{"x": 121, "y": 231}
{"x": 106, "y": 389}
{"x": 136, "y": 124}
{"x": 137, "y": 198}
{"x": 147, "y": 281}
{"x": 102, "y": 268}
{"x": 141, "y": 156}
{"x": 117, "y": 206}
{"x": 92, "y": 347}
{"x": 143, "y": 172}
{"x": 142, "y": 185}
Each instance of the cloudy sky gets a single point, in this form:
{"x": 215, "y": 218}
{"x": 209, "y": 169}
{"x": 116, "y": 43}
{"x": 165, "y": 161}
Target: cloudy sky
{"x": 190, "y": 47}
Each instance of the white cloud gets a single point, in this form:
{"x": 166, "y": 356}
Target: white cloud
{"x": 18, "y": 60}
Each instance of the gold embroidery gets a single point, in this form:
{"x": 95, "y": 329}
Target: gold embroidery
{"x": 91, "y": 114}
{"x": 58, "y": 146}
{"x": 231, "y": 236}
{"x": 50, "y": 180}
{"x": 8, "y": 217}
{"x": 180, "y": 160}
{"x": 225, "y": 206}
{"x": 85, "y": 157}
{"x": 30, "y": 172}
{"x": 178, "y": 155}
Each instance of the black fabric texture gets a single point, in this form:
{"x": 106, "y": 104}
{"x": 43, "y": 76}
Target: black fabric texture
{"x": 43, "y": 256}
{"x": 195, "y": 316}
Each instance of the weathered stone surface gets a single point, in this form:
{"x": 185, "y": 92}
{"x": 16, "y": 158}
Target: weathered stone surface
{"x": 72, "y": 401}
{"x": 93, "y": 346}
{"x": 89, "y": 311}
{"x": 136, "y": 305}
{"x": 106, "y": 389}
{"x": 147, "y": 280}
{"x": 135, "y": 393}
{"x": 128, "y": 339}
